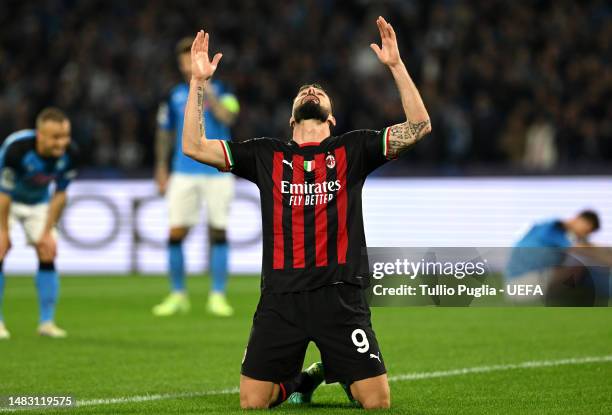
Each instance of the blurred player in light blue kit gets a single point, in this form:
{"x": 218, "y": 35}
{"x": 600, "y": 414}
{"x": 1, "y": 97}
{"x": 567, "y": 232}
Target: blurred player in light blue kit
{"x": 542, "y": 255}
{"x": 30, "y": 161}
{"x": 192, "y": 183}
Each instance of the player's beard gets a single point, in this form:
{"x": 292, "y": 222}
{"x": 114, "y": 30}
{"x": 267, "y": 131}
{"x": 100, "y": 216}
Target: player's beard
{"x": 310, "y": 110}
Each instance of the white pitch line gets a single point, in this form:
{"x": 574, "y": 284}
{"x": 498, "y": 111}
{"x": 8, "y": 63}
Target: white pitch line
{"x": 498, "y": 368}
{"x": 155, "y": 397}
{"x": 396, "y": 378}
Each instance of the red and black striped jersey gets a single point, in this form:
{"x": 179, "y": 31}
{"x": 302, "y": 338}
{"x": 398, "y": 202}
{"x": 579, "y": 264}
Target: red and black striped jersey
{"x": 310, "y": 206}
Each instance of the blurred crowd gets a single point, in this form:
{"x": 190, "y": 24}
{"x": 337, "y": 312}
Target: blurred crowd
{"x": 525, "y": 84}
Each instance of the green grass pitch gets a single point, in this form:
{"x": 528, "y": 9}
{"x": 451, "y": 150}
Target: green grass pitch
{"x": 117, "y": 349}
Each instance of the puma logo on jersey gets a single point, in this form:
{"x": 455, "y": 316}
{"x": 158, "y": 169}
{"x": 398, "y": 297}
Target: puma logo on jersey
{"x": 289, "y": 163}
{"x": 375, "y": 356}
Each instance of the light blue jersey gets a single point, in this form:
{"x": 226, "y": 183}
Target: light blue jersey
{"x": 27, "y": 176}
{"x": 170, "y": 118}
{"x": 542, "y": 247}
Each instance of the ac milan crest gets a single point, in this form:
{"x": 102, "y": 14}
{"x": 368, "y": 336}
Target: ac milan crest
{"x": 330, "y": 161}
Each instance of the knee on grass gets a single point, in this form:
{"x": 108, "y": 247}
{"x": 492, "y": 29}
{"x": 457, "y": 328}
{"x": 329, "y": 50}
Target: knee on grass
{"x": 376, "y": 402}
{"x": 376, "y": 398}
{"x": 252, "y": 401}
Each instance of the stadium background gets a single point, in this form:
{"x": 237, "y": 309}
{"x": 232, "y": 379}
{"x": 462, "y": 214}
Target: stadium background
{"x": 518, "y": 90}
{"x": 520, "y": 99}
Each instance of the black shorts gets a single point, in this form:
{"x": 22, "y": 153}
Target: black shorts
{"x": 336, "y": 318}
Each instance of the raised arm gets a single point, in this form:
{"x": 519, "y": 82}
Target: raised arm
{"x": 417, "y": 125}
{"x": 195, "y": 143}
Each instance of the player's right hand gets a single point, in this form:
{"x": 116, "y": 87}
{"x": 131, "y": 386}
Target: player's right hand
{"x": 202, "y": 68}
{"x": 389, "y": 52}
{"x": 5, "y": 244}
{"x": 161, "y": 178}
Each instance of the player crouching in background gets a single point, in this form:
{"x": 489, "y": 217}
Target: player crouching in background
{"x": 30, "y": 160}
{"x": 557, "y": 256}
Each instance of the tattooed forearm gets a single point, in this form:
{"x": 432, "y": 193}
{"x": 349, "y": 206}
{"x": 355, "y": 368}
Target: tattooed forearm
{"x": 201, "y": 109}
{"x": 402, "y": 136}
{"x": 195, "y": 143}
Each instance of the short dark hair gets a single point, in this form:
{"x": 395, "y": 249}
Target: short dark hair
{"x": 592, "y": 217}
{"x": 184, "y": 45}
{"x": 51, "y": 114}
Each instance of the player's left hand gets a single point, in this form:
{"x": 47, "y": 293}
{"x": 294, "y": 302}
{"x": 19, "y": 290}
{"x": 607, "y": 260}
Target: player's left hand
{"x": 47, "y": 247}
{"x": 202, "y": 68}
{"x": 389, "y": 53}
